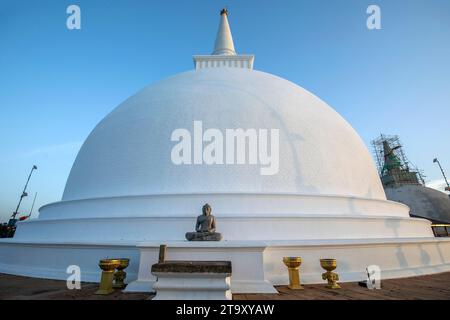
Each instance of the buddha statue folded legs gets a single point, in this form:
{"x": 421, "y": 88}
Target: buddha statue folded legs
{"x": 205, "y": 227}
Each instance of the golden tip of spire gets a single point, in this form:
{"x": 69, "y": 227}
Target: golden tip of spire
{"x": 224, "y": 11}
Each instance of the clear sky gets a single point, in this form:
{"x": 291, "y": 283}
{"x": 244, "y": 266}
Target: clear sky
{"x": 57, "y": 84}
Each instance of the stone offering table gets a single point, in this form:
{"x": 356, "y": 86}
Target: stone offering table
{"x": 192, "y": 280}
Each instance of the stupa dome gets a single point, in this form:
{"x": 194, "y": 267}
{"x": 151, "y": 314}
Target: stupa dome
{"x": 424, "y": 202}
{"x": 129, "y": 152}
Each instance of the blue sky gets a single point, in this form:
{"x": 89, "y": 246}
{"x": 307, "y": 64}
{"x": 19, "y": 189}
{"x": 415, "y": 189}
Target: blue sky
{"x": 57, "y": 84}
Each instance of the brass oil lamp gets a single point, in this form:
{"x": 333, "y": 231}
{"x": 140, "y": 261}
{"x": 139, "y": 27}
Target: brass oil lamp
{"x": 293, "y": 264}
{"x": 108, "y": 266}
{"x": 329, "y": 265}
{"x": 120, "y": 274}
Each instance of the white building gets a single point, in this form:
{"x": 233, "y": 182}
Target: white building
{"x": 125, "y": 195}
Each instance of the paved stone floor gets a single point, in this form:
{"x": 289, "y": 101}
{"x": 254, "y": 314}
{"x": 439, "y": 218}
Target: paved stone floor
{"x": 424, "y": 287}
{"x": 24, "y": 288}
{"x": 432, "y": 287}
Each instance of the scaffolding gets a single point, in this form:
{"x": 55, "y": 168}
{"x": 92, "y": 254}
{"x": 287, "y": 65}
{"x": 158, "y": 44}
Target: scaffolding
{"x": 394, "y": 168}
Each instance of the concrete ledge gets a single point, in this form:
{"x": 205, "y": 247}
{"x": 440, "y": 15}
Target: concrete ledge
{"x": 195, "y": 267}
{"x": 227, "y": 204}
{"x": 233, "y": 228}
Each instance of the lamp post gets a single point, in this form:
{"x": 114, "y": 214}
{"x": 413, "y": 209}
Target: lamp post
{"x": 435, "y": 160}
{"x": 23, "y": 195}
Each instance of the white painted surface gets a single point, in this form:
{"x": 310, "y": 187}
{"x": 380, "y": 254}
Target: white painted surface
{"x": 224, "y": 44}
{"x": 192, "y": 286}
{"x": 128, "y": 153}
{"x": 258, "y": 265}
{"x": 224, "y": 205}
{"x": 138, "y": 229}
{"x": 50, "y": 260}
{"x": 235, "y": 61}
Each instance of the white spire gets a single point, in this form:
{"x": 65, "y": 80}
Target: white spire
{"x": 224, "y": 41}
{"x": 224, "y": 55}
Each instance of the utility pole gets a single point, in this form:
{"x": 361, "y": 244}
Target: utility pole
{"x": 435, "y": 160}
{"x": 23, "y": 195}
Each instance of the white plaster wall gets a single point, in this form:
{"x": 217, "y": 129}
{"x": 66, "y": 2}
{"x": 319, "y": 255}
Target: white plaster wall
{"x": 396, "y": 258}
{"x": 50, "y": 260}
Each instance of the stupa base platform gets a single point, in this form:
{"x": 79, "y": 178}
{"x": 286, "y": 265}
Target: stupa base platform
{"x": 257, "y": 265}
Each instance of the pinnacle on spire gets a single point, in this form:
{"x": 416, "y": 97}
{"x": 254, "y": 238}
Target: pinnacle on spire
{"x": 224, "y": 41}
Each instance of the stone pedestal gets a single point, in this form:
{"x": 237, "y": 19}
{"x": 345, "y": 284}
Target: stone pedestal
{"x": 192, "y": 280}
{"x": 203, "y": 236}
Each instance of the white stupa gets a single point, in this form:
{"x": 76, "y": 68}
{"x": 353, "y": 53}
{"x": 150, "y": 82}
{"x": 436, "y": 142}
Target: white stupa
{"x": 318, "y": 196}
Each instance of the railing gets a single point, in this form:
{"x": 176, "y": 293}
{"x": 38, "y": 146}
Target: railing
{"x": 441, "y": 230}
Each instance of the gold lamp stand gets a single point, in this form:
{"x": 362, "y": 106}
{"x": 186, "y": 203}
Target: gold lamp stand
{"x": 329, "y": 265}
{"x": 120, "y": 274}
{"x": 293, "y": 264}
{"x": 108, "y": 266}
